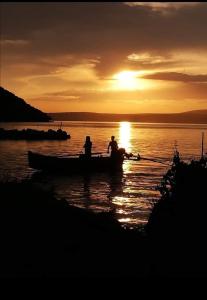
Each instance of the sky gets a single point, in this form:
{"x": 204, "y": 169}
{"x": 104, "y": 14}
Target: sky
{"x": 118, "y": 57}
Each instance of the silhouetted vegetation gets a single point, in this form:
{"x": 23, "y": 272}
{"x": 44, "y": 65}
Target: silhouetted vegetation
{"x": 177, "y": 226}
{"x": 15, "y": 109}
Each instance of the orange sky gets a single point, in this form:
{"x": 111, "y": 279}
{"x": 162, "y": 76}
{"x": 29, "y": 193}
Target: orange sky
{"x": 106, "y": 57}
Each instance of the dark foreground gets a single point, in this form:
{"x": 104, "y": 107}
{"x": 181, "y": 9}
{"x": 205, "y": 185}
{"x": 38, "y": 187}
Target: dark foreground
{"x": 41, "y": 236}
{"x": 45, "y": 237}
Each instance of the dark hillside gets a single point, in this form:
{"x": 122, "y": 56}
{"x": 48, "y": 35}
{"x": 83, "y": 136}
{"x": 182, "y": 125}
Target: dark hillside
{"x": 15, "y": 109}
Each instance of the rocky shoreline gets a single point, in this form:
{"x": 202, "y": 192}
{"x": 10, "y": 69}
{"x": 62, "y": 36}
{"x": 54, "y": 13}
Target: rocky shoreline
{"x": 33, "y": 134}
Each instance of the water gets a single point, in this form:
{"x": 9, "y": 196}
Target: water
{"x": 130, "y": 194}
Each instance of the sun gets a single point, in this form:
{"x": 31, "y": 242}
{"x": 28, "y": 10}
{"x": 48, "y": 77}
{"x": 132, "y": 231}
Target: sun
{"x": 126, "y": 80}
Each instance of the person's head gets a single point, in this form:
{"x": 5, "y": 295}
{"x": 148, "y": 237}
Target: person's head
{"x": 112, "y": 137}
{"x": 87, "y": 138}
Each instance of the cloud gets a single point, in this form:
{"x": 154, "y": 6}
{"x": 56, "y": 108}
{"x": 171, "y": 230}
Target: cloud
{"x": 14, "y": 42}
{"x": 174, "y": 76}
{"x": 146, "y": 58}
{"x": 111, "y": 31}
{"x": 157, "y": 6}
{"x": 59, "y": 97}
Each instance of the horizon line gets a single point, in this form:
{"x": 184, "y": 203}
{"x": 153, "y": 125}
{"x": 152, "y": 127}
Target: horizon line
{"x": 108, "y": 113}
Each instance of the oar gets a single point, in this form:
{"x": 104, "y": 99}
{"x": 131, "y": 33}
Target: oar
{"x": 155, "y": 160}
{"x": 150, "y": 159}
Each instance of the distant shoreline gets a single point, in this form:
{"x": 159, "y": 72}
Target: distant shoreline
{"x": 191, "y": 117}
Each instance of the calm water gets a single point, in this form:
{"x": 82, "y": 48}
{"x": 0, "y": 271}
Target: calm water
{"x": 131, "y": 194}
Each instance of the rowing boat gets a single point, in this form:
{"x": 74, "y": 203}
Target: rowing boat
{"x": 76, "y": 164}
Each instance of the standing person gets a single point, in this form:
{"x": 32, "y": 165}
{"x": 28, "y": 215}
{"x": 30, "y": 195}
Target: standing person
{"x": 88, "y": 146}
{"x": 113, "y": 145}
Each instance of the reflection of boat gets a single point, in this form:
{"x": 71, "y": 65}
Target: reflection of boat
{"x": 75, "y": 164}
{"x": 32, "y": 134}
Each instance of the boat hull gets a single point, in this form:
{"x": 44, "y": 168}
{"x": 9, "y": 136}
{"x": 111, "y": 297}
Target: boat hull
{"x": 79, "y": 164}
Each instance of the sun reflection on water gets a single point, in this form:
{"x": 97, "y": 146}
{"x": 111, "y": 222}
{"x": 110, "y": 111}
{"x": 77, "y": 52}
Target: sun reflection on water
{"x": 125, "y": 135}
{"x": 125, "y": 141}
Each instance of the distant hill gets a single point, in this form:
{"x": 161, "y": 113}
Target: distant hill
{"x": 193, "y": 117}
{"x": 15, "y": 109}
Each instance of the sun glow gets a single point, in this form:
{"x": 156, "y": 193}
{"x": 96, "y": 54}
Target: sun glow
{"x": 127, "y": 80}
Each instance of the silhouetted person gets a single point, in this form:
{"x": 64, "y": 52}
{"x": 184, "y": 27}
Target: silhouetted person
{"x": 114, "y": 146}
{"x": 88, "y": 146}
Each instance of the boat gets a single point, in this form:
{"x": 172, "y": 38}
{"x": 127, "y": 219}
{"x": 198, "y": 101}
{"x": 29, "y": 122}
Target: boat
{"x": 75, "y": 164}
{"x": 32, "y": 134}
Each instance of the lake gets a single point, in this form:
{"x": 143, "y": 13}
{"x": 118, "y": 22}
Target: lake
{"x": 131, "y": 194}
